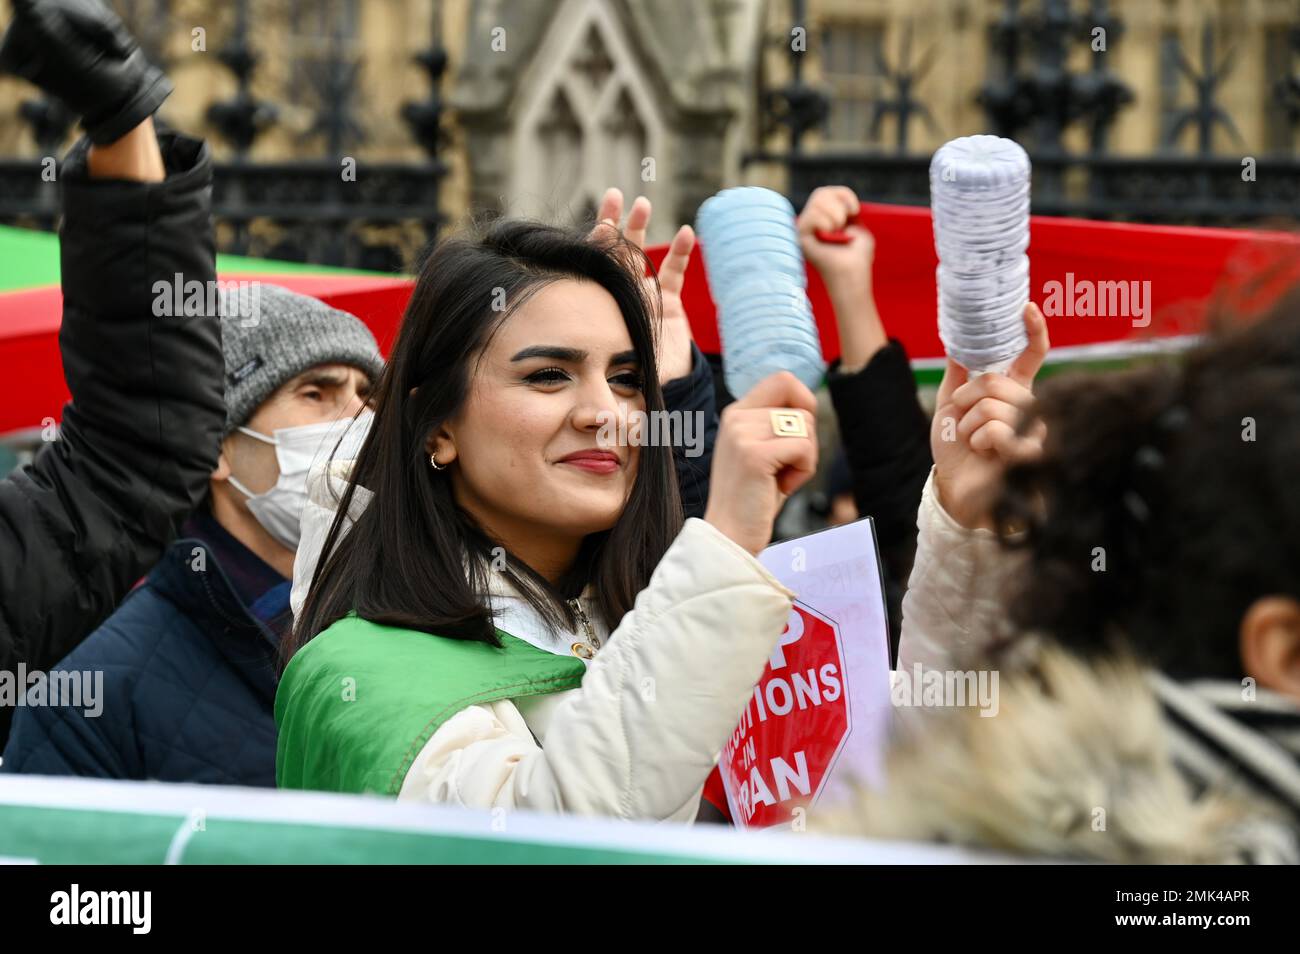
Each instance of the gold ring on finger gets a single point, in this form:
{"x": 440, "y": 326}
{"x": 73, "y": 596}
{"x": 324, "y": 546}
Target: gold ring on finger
{"x": 789, "y": 423}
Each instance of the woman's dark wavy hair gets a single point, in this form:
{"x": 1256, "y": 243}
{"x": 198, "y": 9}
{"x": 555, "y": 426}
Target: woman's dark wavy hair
{"x": 1186, "y": 473}
{"x": 403, "y": 562}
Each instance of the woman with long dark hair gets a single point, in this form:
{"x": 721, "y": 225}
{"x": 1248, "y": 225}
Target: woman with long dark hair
{"x": 509, "y": 610}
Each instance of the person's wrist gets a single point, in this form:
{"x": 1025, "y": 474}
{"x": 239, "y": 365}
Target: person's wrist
{"x": 862, "y": 334}
{"x": 722, "y": 526}
{"x": 134, "y": 157}
{"x": 676, "y": 367}
{"x": 739, "y": 535}
{"x": 850, "y": 284}
{"x": 958, "y": 503}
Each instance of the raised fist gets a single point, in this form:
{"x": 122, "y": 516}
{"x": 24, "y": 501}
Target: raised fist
{"x": 80, "y": 52}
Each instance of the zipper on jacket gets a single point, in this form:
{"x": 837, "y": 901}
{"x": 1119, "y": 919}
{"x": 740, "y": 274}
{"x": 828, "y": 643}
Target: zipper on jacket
{"x": 586, "y": 624}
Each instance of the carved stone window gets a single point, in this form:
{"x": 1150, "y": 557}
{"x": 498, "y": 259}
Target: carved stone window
{"x": 589, "y": 119}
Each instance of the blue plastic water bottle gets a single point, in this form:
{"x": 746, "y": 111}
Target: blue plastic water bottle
{"x": 758, "y": 281}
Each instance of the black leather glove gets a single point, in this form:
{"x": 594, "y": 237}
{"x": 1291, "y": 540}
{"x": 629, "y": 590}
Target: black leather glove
{"x": 79, "y": 51}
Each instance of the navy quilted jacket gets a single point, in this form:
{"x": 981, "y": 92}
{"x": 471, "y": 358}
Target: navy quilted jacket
{"x": 189, "y": 677}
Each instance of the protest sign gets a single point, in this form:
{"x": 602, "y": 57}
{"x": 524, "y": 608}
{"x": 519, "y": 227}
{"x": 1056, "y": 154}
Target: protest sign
{"x": 817, "y": 718}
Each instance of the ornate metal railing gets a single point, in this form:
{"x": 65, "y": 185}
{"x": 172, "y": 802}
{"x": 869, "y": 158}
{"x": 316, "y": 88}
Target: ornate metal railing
{"x": 308, "y": 209}
{"x": 1031, "y": 95}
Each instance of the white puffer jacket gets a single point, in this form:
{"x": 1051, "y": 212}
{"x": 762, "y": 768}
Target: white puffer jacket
{"x": 955, "y": 600}
{"x": 657, "y": 703}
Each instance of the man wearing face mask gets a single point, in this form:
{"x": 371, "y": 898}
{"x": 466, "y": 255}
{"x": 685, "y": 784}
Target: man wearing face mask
{"x": 187, "y": 660}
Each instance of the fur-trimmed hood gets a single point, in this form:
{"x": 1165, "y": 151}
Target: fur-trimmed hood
{"x": 1092, "y": 761}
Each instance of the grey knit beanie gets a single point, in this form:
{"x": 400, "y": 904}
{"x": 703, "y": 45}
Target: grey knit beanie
{"x": 272, "y": 334}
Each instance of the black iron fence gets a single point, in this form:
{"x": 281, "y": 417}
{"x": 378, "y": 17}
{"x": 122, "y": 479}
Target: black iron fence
{"x": 308, "y": 210}
{"x": 1031, "y": 95}
{"x": 314, "y": 209}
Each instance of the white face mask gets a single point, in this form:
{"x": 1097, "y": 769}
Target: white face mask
{"x": 297, "y": 450}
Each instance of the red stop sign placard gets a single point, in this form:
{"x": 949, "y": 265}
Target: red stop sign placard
{"x": 793, "y": 727}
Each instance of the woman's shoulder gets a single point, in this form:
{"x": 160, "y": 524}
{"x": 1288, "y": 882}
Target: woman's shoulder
{"x": 398, "y": 646}
{"x": 368, "y": 695}
{"x": 381, "y": 652}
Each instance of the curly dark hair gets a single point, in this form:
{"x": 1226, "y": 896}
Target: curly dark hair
{"x": 1183, "y": 476}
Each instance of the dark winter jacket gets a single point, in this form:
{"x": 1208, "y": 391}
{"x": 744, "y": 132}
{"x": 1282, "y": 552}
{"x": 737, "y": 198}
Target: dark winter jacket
{"x": 886, "y": 437}
{"x": 97, "y": 507}
{"x": 189, "y": 676}
{"x": 693, "y": 394}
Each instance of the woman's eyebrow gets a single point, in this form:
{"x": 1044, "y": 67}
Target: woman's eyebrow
{"x": 625, "y": 357}
{"x": 553, "y": 352}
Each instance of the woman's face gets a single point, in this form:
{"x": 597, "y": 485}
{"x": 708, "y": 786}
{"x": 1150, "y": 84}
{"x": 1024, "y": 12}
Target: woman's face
{"x": 532, "y": 444}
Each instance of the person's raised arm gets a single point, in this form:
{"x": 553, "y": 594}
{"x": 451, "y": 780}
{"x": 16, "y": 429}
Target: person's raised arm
{"x": 845, "y": 270}
{"x": 884, "y": 430}
{"x": 139, "y": 439}
{"x": 133, "y": 158}
{"x": 955, "y": 596}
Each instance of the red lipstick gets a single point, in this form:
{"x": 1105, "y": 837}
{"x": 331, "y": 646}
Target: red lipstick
{"x": 593, "y": 461}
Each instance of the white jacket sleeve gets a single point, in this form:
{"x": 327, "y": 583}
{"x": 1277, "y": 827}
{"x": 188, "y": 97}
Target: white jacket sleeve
{"x": 326, "y": 484}
{"x": 956, "y": 596}
{"x": 639, "y": 737}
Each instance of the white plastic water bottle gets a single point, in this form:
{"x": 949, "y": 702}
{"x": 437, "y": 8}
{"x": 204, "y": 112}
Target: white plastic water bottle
{"x": 979, "y": 200}
{"x": 758, "y": 281}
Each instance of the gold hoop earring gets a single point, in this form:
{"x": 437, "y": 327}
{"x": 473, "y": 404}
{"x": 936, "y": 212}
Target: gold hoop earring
{"x": 433, "y": 459}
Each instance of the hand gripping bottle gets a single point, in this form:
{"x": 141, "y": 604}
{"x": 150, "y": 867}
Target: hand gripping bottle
{"x": 758, "y": 281}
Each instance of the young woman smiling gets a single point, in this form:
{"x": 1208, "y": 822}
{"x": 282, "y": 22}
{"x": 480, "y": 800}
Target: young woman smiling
{"x": 506, "y": 613}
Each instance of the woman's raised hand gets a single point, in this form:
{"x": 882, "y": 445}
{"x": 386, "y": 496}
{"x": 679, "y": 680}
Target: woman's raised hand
{"x": 675, "y": 328}
{"x": 755, "y": 467}
{"x": 975, "y": 434}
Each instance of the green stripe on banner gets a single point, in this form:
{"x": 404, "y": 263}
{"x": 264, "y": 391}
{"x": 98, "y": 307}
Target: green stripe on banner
{"x": 53, "y": 836}
{"x": 1100, "y": 356}
{"x": 90, "y": 837}
{"x": 308, "y": 844}
{"x": 30, "y": 259}
{"x": 93, "y": 821}
{"x": 239, "y": 264}
{"x": 933, "y": 377}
